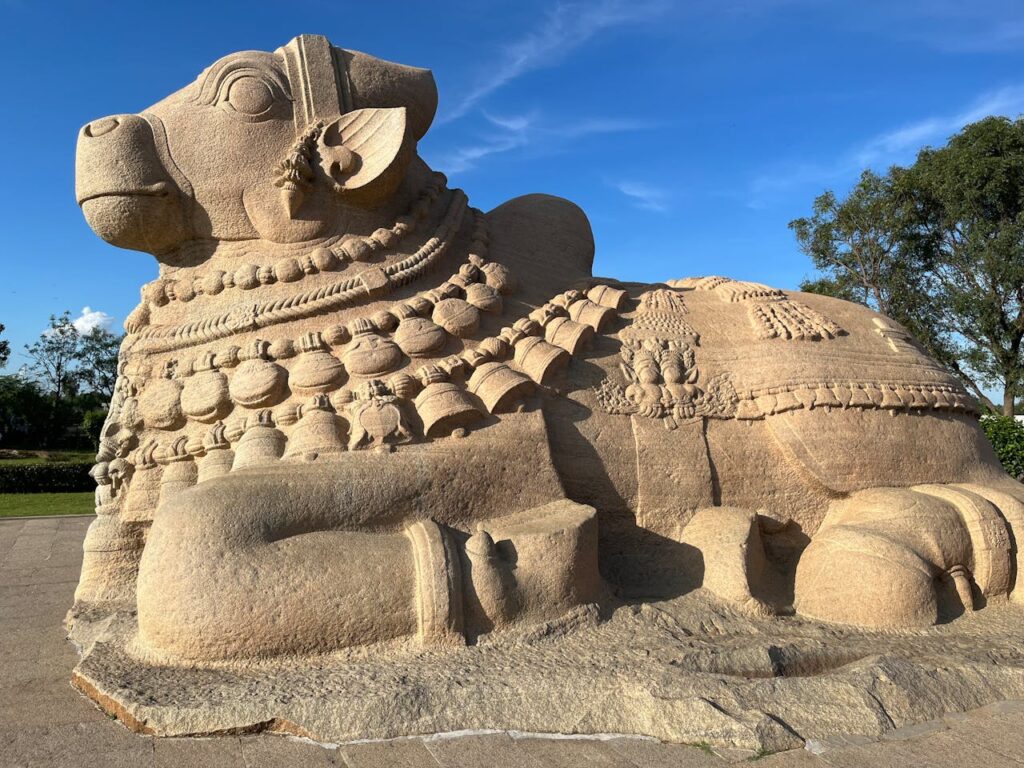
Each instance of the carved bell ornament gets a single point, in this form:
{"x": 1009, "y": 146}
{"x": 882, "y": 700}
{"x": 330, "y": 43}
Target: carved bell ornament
{"x": 444, "y": 406}
{"x": 370, "y": 354}
{"x": 588, "y": 313}
{"x": 177, "y": 476}
{"x": 499, "y": 387}
{"x": 606, "y": 296}
{"x": 179, "y": 468}
{"x": 143, "y": 495}
{"x": 218, "y": 456}
{"x": 215, "y": 463}
{"x": 160, "y": 404}
{"x": 541, "y": 361}
{"x": 316, "y": 370}
{"x": 261, "y": 444}
{"x": 319, "y": 431}
{"x": 205, "y": 395}
{"x": 568, "y": 334}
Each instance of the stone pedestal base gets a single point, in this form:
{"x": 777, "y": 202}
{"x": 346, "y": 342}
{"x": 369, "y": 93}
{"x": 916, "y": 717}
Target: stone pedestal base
{"x": 683, "y": 670}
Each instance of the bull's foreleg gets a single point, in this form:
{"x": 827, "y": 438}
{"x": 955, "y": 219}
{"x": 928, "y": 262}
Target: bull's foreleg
{"x": 303, "y": 559}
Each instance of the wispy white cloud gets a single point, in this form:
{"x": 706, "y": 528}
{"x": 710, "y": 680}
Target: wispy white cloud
{"x": 564, "y": 28}
{"x": 898, "y": 145}
{"x": 464, "y": 158}
{"x": 578, "y": 128}
{"x": 534, "y": 131}
{"x": 91, "y": 319}
{"x": 514, "y": 123}
{"x": 644, "y": 196}
{"x": 894, "y": 145}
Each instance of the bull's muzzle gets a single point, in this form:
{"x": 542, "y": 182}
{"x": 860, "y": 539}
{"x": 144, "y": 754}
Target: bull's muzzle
{"x": 127, "y": 195}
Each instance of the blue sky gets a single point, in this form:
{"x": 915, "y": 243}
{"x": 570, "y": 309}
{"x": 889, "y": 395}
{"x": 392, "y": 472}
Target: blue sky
{"x": 690, "y": 132}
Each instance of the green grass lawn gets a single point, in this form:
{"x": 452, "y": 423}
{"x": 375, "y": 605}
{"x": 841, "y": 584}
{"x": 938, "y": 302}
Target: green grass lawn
{"x": 35, "y": 504}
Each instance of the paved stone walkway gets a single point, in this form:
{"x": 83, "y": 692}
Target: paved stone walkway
{"x": 45, "y": 722}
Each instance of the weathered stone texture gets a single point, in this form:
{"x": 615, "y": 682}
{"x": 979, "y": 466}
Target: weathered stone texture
{"x": 365, "y": 434}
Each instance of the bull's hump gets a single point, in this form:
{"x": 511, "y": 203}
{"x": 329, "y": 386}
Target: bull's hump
{"x": 546, "y": 241}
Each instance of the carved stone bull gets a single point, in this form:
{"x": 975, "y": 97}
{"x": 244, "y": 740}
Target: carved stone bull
{"x": 353, "y": 409}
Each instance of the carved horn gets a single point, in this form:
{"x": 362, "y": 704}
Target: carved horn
{"x": 373, "y": 82}
{"x": 327, "y": 81}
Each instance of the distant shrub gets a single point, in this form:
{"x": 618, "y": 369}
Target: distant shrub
{"x": 92, "y": 424}
{"x": 65, "y": 477}
{"x": 1007, "y": 436}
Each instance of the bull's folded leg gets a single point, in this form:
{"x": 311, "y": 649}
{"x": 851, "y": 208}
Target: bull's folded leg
{"x": 227, "y": 582}
{"x": 897, "y": 557}
{"x": 306, "y": 593}
{"x": 531, "y": 567}
{"x": 854, "y": 577}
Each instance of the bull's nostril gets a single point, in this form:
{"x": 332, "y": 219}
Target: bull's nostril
{"x": 100, "y": 127}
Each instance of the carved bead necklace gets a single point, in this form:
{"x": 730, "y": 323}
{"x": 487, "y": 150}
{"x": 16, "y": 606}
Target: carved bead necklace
{"x": 446, "y": 397}
{"x": 196, "y": 387}
{"x": 290, "y": 269}
{"x": 372, "y": 282}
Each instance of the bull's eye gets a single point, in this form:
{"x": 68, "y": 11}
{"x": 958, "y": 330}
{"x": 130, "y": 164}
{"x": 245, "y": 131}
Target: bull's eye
{"x": 249, "y": 96}
{"x": 249, "y": 86}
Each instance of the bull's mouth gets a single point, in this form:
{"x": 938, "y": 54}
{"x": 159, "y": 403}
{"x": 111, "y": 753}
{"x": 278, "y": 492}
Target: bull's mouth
{"x": 159, "y": 189}
{"x": 147, "y": 217}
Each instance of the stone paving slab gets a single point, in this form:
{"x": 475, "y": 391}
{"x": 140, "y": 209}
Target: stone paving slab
{"x": 45, "y": 722}
{"x": 401, "y": 753}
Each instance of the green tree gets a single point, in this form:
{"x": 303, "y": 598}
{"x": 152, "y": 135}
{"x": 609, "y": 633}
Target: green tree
{"x": 5, "y": 349}
{"x": 97, "y": 361}
{"x": 969, "y": 200}
{"x": 939, "y": 247}
{"x": 92, "y": 424}
{"x": 856, "y": 243}
{"x": 868, "y": 249}
{"x": 26, "y": 413}
{"x": 54, "y": 357}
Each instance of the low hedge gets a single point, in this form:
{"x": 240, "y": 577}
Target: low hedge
{"x": 56, "y": 477}
{"x": 1007, "y": 436}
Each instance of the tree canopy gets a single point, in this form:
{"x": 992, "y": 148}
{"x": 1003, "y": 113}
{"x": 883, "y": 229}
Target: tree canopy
{"x": 939, "y": 247}
{"x": 60, "y": 399}
{"x": 53, "y": 356}
{"x": 97, "y": 361}
{"x": 5, "y": 349}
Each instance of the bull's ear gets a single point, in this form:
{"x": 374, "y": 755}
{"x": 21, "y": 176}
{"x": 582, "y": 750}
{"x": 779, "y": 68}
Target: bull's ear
{"x": 365, "y": 153}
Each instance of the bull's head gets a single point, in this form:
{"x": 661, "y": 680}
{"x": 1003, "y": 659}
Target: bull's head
{"x": 283, "y": 146}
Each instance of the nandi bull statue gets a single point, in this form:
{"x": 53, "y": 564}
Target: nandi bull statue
{"x": 353, "y": 411}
